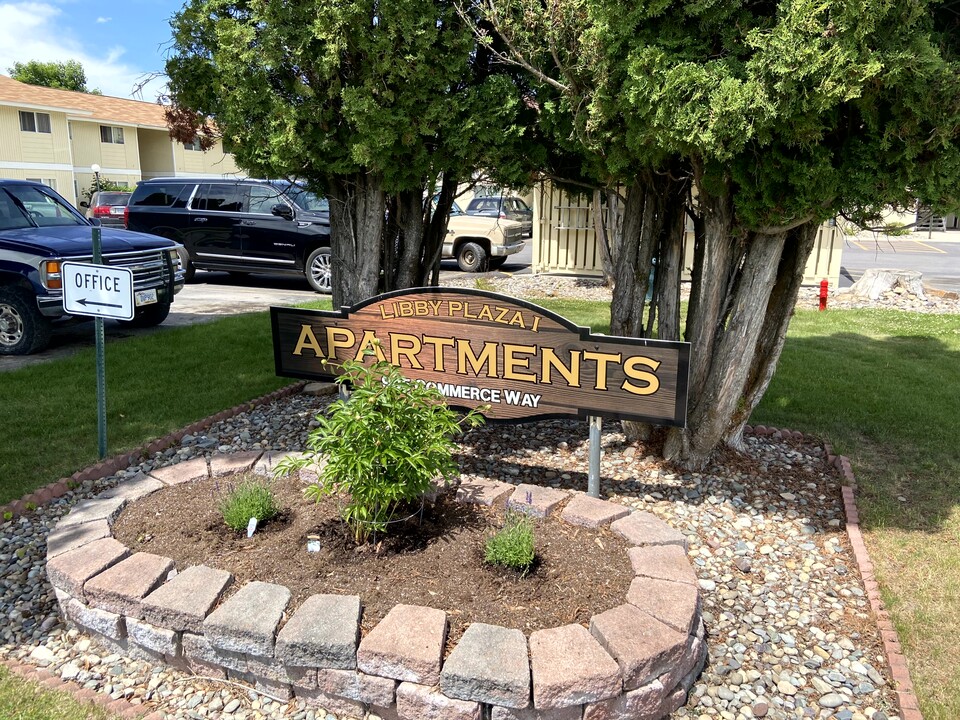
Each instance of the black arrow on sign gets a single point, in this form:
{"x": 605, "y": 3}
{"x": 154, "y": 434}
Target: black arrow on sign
{"x": 85, "y": 302}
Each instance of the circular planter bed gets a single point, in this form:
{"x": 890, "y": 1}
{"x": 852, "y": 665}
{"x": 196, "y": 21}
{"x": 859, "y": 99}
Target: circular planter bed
{"x": 606, "y": 626}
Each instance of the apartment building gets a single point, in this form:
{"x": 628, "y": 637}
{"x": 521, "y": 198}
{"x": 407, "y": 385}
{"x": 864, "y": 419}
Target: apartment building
{"x": 55, "y": 136}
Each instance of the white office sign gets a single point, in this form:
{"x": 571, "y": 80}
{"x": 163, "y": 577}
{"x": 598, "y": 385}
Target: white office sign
{"x": 97, "y": 290}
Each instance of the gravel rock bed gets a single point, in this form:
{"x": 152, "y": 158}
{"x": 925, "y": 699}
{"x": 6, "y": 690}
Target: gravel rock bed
{"x": 789, "y": 626}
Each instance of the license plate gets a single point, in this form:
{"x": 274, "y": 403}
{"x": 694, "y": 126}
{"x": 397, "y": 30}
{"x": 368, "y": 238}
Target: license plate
{"x": 145, "y": 297}
{"x": 117, "y": 210}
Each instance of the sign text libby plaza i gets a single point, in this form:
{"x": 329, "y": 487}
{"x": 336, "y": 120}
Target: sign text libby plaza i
{"x": 481, "y": 348}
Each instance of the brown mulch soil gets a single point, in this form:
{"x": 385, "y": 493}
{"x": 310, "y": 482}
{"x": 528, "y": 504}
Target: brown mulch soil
{"x": 437, "y": 561}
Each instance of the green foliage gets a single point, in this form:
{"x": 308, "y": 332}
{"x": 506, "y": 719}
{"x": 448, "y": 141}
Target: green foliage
{"x": 383, "y": 447}
{"x": 106, "y": 185}
{"x": 8, "y": 515}
{"x": 68, "y": 75}
{"x": 251, "y": 498}
{"x": 512, "y": 545}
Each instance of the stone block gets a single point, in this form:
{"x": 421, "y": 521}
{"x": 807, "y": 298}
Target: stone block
{"x": 186, "y": 599}
{"x": 121, "y": 587}
{"x": 570, "y": 668}
{"x": 322, "y": 633}
{"x": 371, "y": 689}
{"x": 70, "y": 537}
{"x": 158, "y": 639}
{"x": 108, "y": 624}
{"x": 592, "y": 512}
{"x": 91, "y": 510}
{"x": 187, "y": 471}
{"x": 574, "y": 712}
{"x": 248, "y": 621}
{"x": 71, "y": 570}
{"x": 269, "y": 460}
{"x": 693, "y": 659}
{"x": 643, "y": 646}
{"x": 664, "y": 562}
{"x": 536, "y": 500}
{"x": 382, "y": 713}
{"x": 133, "y": 489}
{"x": 641, "y": 528}
{"x": 643, "y": 703}
{"x": 303, "y": 677}
{"x": 339, "y": 706}
{"x": 267, "y": 667}
{"x": 483, "y": 492}
{"x": 280, "y": 690}
{"x": 488, "y": 665}
{"x": 231, "y": 463}
{"x": 196, "y": 647}
{"x": 675, "y": 604}
{"x": 422, "y": 702}
{"x": 406, "y": 645}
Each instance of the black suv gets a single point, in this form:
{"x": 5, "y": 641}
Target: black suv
{"x": 241, "y": 226}
{"x": 39, "y": 231}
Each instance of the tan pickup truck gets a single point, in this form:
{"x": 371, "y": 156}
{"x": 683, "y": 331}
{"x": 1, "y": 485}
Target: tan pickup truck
{"x": 480, "y": 243}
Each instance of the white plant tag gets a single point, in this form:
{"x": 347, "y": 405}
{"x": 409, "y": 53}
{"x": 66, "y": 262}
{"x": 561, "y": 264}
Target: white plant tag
{"x": 251, "y": 526}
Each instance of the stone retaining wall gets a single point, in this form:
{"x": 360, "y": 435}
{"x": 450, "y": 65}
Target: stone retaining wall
{"x": 636, "y": 661}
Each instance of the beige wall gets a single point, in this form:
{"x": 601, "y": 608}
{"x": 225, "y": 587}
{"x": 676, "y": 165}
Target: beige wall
{"x": 36, "y": 156}
{"x": 156, "y": 153}
{"x": 213, "y": 162}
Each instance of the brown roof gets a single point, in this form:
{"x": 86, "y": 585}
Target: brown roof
{"x": 96, "y": 107}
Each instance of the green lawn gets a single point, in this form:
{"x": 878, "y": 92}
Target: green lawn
{"x": 882, "y": 386}
{"x": 22, "y": 700}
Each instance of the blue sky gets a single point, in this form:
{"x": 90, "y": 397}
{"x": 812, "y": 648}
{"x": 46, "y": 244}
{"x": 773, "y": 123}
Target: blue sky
{"x": 118, "y": 43}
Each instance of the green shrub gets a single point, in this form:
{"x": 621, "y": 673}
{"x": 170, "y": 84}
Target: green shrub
{"x": 513, "y": 546}
{"x": 383, "y": 446}
{"x": 250, "y": 499}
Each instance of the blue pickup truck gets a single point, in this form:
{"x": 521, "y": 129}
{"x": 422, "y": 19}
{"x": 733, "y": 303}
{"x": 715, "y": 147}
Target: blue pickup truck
{"x": 39, "y": 230}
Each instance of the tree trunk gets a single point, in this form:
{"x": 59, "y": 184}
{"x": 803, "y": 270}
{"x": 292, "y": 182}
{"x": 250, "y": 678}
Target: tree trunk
{"x": 799, "y": 244}
{"x": 357, "y": 208}
{"x": 728, "y": 365}
{"x": 410, "y": 270}
{"x": 670, "y": 268}
{"x": 436, "y": 230}
{"x": 606, "y": 239}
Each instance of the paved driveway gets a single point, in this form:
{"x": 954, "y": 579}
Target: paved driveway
{"x": 936, "y": 255}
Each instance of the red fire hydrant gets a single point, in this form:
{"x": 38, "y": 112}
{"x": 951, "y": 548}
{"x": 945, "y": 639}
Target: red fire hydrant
{"x": 824, "y": 289}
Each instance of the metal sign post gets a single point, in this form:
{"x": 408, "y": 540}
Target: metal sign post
{"x": 593, "y": 476}
{"x": 98, "y": 291}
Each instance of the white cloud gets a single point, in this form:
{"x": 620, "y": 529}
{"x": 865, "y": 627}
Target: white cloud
{"x": 101, "y": 20}
{"x": 41, "y": 31}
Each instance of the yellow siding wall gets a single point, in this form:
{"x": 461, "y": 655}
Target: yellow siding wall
{"x": 156, "y": 153}
{"x": 212, "y": 162}
{"x": 114, "y": 159}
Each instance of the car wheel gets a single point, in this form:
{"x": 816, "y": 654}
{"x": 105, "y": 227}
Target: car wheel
{"x": 149, "y": 315}
{"x": 497, "y": 262}
{"x": 188, "y": 269}
{"x": 23, "y": 329}
{"x": 319, "y": 270}
{"x": 472, "y": 258}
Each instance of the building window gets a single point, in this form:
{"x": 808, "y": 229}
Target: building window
{"x": 49, "y": 182}
{"x": 34, "y": 122}
{"x": 111, "y": 134}
{"x": 193, "y": 145}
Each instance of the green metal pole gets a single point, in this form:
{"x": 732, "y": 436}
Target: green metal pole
{"x": 101, "y": 364}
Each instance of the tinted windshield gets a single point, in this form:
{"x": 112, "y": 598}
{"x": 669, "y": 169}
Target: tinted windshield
{"x": 112, "y": 198}
{"x": 24, "y": 206}
{"x": 304, "y": 199}
{"x": 455, "y": 209}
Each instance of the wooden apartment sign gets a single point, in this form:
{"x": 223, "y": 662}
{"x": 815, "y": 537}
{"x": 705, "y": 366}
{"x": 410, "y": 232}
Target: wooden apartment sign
{"x": 481, "y": 348}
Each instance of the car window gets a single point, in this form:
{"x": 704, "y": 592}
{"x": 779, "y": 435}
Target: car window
{"x": 112, "y": 198}
{"x": 218, "y": 197}
{"x": 304, "y": 199}
{"x": 517, "y": 205}
{"x": 40, "y": 209}
{"x": 165, "y": 195}
{"x": 262, "y": 198}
